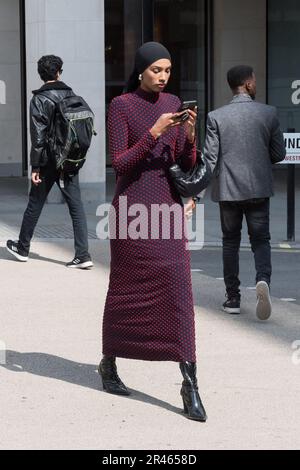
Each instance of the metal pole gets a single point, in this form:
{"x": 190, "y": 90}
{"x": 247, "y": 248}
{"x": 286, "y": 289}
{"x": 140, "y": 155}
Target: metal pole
{"x": 23, "y": 87}
{"x": 209, "y": 55}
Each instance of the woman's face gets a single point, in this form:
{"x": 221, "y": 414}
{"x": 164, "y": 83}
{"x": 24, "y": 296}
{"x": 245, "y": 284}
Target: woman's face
{"x": 156, "y": 77}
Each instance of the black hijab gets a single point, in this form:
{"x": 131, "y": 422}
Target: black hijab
{"x": 146, "y": 55}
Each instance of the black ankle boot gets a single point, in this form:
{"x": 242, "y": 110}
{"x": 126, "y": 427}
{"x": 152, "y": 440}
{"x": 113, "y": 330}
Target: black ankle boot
{"x": 193, "y": 407}
{"x": 110, "y": 379}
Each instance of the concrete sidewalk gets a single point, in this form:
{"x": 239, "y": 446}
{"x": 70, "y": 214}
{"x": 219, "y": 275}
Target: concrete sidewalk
{"x": 249, "y": 373}
{"x": 51, "y": 396}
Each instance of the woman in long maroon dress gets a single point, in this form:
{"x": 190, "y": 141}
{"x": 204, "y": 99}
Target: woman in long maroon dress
{"x": 149, "y": 312}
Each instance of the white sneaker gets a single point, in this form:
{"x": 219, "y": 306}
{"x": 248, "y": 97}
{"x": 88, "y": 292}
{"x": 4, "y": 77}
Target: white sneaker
{"x": 264, "y": 305}
{"x": 80, "y": 263}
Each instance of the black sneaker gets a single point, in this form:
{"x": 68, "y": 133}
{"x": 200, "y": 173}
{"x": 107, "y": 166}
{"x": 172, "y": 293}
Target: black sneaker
{"x": 80, "y": 263}
{"x": 232, "y": 306}
{"x": 14, "y": 250}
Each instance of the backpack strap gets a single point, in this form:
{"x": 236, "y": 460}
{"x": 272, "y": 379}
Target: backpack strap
{"x": 50, "y": 131}
{"x": 48, "y": 97}
{"x": 55, "y": 104}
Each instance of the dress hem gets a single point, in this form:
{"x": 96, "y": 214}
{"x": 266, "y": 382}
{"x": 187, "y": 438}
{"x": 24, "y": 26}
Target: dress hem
{"x": 139, "y": 358}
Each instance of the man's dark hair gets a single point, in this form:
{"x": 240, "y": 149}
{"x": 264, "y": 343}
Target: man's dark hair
{"x": 48, "y": 66}
{"x": 237, "y": 76}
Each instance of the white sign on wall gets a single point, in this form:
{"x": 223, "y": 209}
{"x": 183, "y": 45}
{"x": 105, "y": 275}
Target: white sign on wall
{"x": 292, "y": 145}
{"x": 2, "y": 92}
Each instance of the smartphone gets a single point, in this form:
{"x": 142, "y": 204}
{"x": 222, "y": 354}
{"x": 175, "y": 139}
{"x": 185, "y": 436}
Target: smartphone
{"x": 184, "y": 117}
{"x": 187, "y": 105}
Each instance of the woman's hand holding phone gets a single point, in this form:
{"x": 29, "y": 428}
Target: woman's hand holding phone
{"x": 190, "y": 107}
{"x": 189, "y": 118}
{"x": 190, "y": 124}
{"x": 186, "y": 115}
{"x": 164, "y": 123}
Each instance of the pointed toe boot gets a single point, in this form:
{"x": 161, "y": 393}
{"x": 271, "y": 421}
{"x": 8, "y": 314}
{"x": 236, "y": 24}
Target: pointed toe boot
{"x": 192, "y": 404}
{"x": 110, "y": 379}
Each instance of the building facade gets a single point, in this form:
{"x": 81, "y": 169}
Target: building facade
{"x": 97, "y": 40}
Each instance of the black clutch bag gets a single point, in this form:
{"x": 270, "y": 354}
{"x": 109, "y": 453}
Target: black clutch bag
{"x": 192, "y": 182}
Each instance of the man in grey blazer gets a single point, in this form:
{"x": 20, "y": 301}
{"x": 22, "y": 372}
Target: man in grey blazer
{"x": 243, "y": 141}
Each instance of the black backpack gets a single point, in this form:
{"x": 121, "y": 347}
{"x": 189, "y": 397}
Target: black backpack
{"x": 71, "y": 133}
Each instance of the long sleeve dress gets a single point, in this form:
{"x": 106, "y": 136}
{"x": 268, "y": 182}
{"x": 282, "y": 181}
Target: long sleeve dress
{"x": 149, "y": 311}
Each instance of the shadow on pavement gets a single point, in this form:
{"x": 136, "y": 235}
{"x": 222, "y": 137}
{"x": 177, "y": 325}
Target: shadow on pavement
{"x": 84, "y": 375}
{"x": 7, "y": 256}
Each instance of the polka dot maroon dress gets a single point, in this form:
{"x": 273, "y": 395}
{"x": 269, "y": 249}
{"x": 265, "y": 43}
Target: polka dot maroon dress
{"x": 149, "y": 311}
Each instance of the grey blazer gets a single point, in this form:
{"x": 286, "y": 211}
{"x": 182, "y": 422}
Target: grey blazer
{"x": 243, "y": 140}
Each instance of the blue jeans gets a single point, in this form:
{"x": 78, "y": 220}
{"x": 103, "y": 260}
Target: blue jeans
{"x": 257, "y": 213}
{"x": 37, "y": 198}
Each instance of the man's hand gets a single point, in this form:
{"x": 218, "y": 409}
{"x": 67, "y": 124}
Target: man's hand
{"x": 35, "y": 178}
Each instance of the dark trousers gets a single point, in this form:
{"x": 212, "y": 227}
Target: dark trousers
{"x": 37, "y": 198}
{"x": 257, "y": 214}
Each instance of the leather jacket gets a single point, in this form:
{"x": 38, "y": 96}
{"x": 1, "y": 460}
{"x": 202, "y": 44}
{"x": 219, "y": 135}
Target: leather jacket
{"x": 42, "y": 109}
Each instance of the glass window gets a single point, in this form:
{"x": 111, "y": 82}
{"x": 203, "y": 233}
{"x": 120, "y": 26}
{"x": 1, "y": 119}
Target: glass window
{"x": 180, "y": 26}
{"x": 123, "y": 35}
{"x": 283, "y": 67}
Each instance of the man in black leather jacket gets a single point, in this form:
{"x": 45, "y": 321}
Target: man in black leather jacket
{"x": 44, "y": 173}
